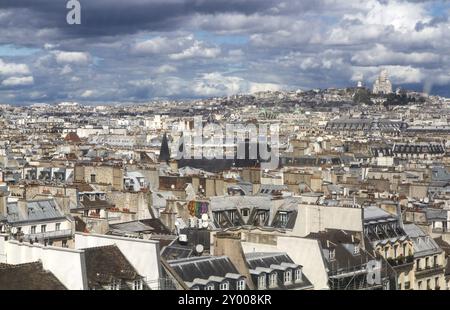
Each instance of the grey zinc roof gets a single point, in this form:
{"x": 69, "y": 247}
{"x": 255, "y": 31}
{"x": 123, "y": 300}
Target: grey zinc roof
{"x": 374, "y": 213}
{"x": 233, "y": 202}
{"x": 204, "y": 267}
{"x": 38, "y": 210}
{"x": 436, "y": 214}
{"x": 424, "y": 245}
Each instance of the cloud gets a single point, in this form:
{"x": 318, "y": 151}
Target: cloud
{"x": 13, "y": 68}
{"x": 165, "y": 69}
{"x": 197, "y": 49}
{"x": 18, "y": 81}
{"x": 178, "y": 47}
{"x": 88, "y": 93}
{"x": 71, "y": 57}
{"x": 137, "y": 50}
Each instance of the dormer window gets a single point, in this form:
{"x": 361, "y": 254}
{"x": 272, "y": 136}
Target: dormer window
{"x": 224, "y": 286}
{"x": 288, "y": 277}
{"x": 115, "y": 285}
{"x": 245, "y": 212}
{"x": 210, "y": 287}
{"x": 81, "y": 197}
{"x": 92, "y": 197}
{"x": 298, "y": 275}
{"x": 262, "y": 282}
{"x": 240, "y": 285}
{"x": 273, "y": 280}
{"x": 332, "y": 254}
{"x": 283, "y": 218}
{"x": 137, "y": 285}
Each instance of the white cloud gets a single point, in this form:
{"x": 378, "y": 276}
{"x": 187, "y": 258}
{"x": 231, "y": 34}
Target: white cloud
{"x": 165, "y": 69}
{"x": 178, "y": 48}
{"x": 49, "y": 46}
{"x": 380, "y": 55}
{"x": 216, "y": 84}
{"x": 66, "y": 70}
{"x": 18, "y": 81}
{"x": 71, "y": 57}
{"x": 88, "y": 93}
{"x": 155, "y": 46}
{"x": 196, "y": 50}
{"x": 13, "y": 68}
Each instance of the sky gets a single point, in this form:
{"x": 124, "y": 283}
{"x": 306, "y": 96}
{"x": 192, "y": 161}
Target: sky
{"x": 141, "y": 50}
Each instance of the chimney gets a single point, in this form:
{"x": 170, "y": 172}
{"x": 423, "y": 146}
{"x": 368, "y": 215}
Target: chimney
{"x": 3, "y": 203}
{"x": 229, "y": 244}
{"x": 23, "y": 207}
{"x": 173, "y": 165}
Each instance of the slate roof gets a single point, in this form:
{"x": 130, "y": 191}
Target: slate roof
{"x": 203, "y": 267}
{"x": 38, "y": 210}
{"x": 29, "y": 276}
{"x": 423, "y": 244}
{"x": 107, "y": 263}
{"x": 154, "y": 226}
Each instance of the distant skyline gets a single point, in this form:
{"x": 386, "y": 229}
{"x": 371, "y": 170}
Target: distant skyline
{"x": 137, "y": 50}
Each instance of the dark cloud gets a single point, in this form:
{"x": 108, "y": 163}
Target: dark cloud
{"x": 136, "y": 50}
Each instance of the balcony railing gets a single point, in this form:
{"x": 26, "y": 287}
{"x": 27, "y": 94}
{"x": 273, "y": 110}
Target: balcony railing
{"x": 402, "y": 260}
{"x": 49, "y": 235}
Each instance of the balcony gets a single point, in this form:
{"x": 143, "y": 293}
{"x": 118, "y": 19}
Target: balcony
{"x": 65, "y": 233}
{"x": 401, "y": 260}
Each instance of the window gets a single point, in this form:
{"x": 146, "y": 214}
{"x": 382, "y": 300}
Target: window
{"x": 356, "y": 249}
{"x": 137, "y": 285}
{"x": 435, "y": 261}
{"x": 262, "y": 282}
{"x": 261, "y": 218}
{"x": 332, "y": 254}
{"x": 210, "y": 287}
{"x": 386, "y": 252}
{"x": 436, "y": 283}
{"x": 419, "y": 285}
{"x": 33, "y": 229}
{"x": 115, "y": 285}
{"x": 43, "y": 228}
{"x": 223, "y": 286}
{"x": 273, "y": 279}
{"x": 428, "y": 284}
{"x": 283, "y": 218}
{"x": 244, "y": 212}
{"x": 240, "y": 285}
{"x": 298, "y": 275}
{"x": 92, "y": 178}
{"x": 418, "y": 264}
{"x": 287, "y": 276}
{"x": 404, "y": 249}
{"x": 58, "y": 226}
{"x": 231, "y": 215}
{"x": 427, "y": 260}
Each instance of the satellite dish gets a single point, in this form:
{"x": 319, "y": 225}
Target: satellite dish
{"x": 205, "y": 217}
{"x": 199, "y": 248}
